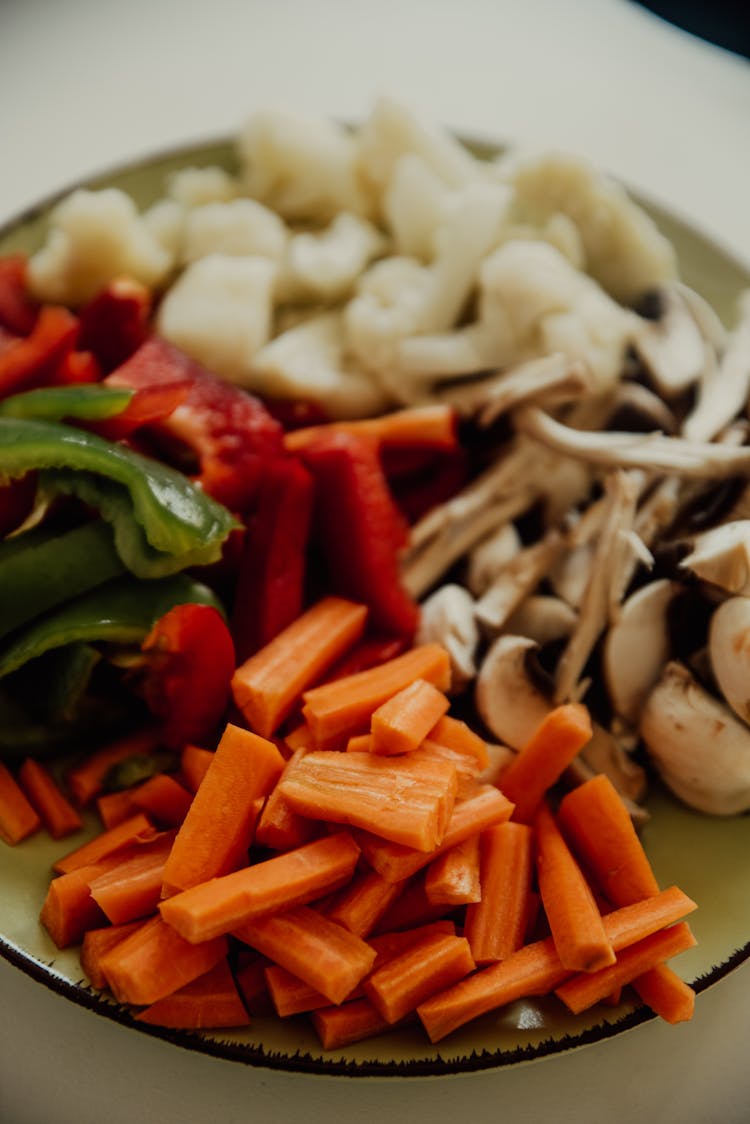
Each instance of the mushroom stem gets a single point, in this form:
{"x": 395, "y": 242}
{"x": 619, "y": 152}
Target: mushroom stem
{"x": 517, "y": 580}
{"x": 552, "y": 379}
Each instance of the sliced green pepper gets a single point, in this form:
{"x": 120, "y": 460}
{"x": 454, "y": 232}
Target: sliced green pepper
{"x": 55, "y": 403}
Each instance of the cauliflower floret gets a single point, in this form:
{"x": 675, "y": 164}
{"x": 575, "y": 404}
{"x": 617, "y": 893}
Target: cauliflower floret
{"x": 240, "y": 228}
{"x": 219, "y": 312}
{"x": 387, "y": 308}
{"x": 310, "y": 362}
{"x": 325, "y": 266}
{"x": 194, "y": 187}
{"x": 165, "y": 219}
{"x": 625, "y": 251}
{"x": 94, "y": 237}
{"x": 303, "y": 167}
{"x": 415, "y": 204}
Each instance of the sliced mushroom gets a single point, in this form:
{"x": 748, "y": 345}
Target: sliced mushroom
{"x": 671, "y": 347}
{"x": 552, "y": 379}
{"x": 605, "y": 754}
{"x": 543, "y": 619}
{"x": 447, "y": 618}
{"x": 637, "y": 647}
{"x": 699, "y": 747}
{"x": 729, "y": 652}
{"x": 517, "y": 580}
{"x": 490, "y": 556}
{"x": 721, "y": 556}
{"x": 723, "y": 392}
{"x": 509, "y": 703}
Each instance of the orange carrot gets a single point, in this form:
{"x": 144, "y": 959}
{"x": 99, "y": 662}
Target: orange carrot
{"x": 336, "y": 710}
{"x": 46, "y": 797}
{"x": 279, "y": 827}
{"x": 454, "y": 734}
{"x": 496, "y": 926}
{"x": 363, "y": 902}
{"x": 349, "y": 1023}
{"x": 666, "y": 994}
{"x": 115, "y": 807}
{"x": 323, "y": 954}
{"x": 87, "y": 779}
{"x": 401, "y": 724}
{"x": 132, "y": 888}
{"x": 216, "y": 832}
{"x": 136, "y": 827}
{"x": 420, "y": 427}
{"x": 412, "y": 908}
{"x": 465, "y": 764}
{"x": 268, "y": 684}
{"x": 630, "y": 923}
{"x": 289, "y": 994}
{"x": 68, "y": 910}
{"x": 544, "y": 758}
{"x": 408, "y": 799}
{"x": 96, "y": 942}
{"x": 569, "y": 904}
{"x": 210, "y": 1001}
{"x": 586, "y": 989}
{"x": 194, "y": 762}
{"x": 453, "y": 878}
{"x": 163, "y": 799}
{"x": 598, "y": 826}
{"x": 434, "y": 963}
{"x": 251, "y": 983}
{"x": 155, "y": 961}
{"x": 359, "y": 743}
{"x": 300, "y": 737}
{"x": 220, "y": 905}
{"x": 18, "y": 819}
{"x": 372, "y": 650}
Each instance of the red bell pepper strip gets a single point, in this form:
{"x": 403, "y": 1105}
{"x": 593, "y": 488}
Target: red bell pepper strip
{"x": 148, "y": 406}
{"x": 35, "y": 360}
{"x": 191, "y": 662}
{"x": 115, "y": 322}
{"x": 231, "y": 433}
{"x": 18, "y": 312}
{"x": 76, "y": 369}
{"x": 360, "y": 529}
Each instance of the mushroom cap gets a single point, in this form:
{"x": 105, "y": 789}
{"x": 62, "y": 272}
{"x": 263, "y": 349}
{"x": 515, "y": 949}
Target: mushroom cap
{"x": 509, "y": 703}
{"x": 729, "y": 652}
{"x": 636, "y": 648}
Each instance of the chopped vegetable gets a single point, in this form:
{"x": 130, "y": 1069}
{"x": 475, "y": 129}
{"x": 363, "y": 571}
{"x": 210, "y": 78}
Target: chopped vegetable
{"x": 497, "y": 925}
{"x": 46, "y": 796}
{"x": 212, "y": 1000}
{"x": 541, "y": 762}
{"x": 18, "y": 819}
{"x": 401, "y": 724}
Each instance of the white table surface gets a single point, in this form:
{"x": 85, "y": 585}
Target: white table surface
{"x": 86, "y": 84}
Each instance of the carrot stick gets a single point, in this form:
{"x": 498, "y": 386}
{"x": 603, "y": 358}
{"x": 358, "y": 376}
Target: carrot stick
{"x": 279, "y": 826}
{"x": 163, "y": 799}
{"x": 267, "y": 685}
{"x": 132, "y": 888}
{"x": 452, "y": 733}
{"x": 87, "y": 780}
{"x": 345, "y": 706}
{"x": 371, "y": 651}
{"x": 401, "y": 724}
{"x": 194, "y": 762}
{"x": 630, "y": 923}
{"x": 359, "y": 743}
{"x": 216, "y": 832}
{"x": 496, "y": 926}
{"x": 407, "y": 799}
{"x": 155, "y": 961}
{"x": 96, "y": 942}
{"x": 542, "y": 761}
{"x": 136, "y": 827}
{"x": 434, "y": 963}
{"x": 485, "y": 808}
{"x": 586, "y": 989}
{"x": 360, "y": 906}
{"x": 115, "y": 807}
{"x": 44, "y": 794}
{"x": 569, "y": 904}
{"x": 251, "y": 983}
{"x": 323, "y": 954}
{"x": 211, "y": 1001}
{"x": 18, "y": 819}
{"x": 598, "y": 826}
{"x": 430, "y": 427}
{"x": 465, "y": 764}
{"x": 412, "y": 908}
{"x": 293, "y": 878}
{"x": 453, "y": 878}
{"x": 666, "y": 994}
{"x": 301, "y": 737}
{"x": 69, "y": 910}
{"x": 349, "y": 1023}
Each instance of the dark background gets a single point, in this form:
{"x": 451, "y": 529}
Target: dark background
{"x": 725, "y": 24}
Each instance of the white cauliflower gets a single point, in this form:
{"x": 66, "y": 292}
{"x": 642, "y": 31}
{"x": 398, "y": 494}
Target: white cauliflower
{"x": 165, "y": 220}
{"x": 304, "y": 167}
{"x": 325, "y": 265}
{"x": 239, "y": 228}
{"x": 415, "y": 203}
{"x": 194, "y": 187}
{"x": 95, "y": 236}
{"x": 219, "y": 311}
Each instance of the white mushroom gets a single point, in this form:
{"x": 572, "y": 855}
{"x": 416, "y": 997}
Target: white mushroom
{"x": 729, "y": 652}
{"x": 543, "y": 619}
{"x": 699, "y": 747}
{"x": 671, "y": 347}
{"x": 723, "y": 393}
{"x": 509, "y": 703}
{"x": 447, "y": 618}
{"x": 721, "y": 556}
{"x": 517, "y": 579}
{"x": 490, "y": 556}
{"x": 636, "y": 648}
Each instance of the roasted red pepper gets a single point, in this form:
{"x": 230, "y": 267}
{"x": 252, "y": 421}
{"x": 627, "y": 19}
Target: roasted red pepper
{"x": 36, "y": 360}
{"x": 191, "y": 662}
{"x": 272, "y": 569}
{"x": 18, "y": 312}
{"x": 116, "y": 322}
{"x": 231, "y": 433}
{"x": 360, "y": 530}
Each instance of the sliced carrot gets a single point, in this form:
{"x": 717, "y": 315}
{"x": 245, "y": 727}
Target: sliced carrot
{"x": 323, "y": 954}
{"x": 574, "y": 919}
{"x": 586, "y": 989}
{"x": 194, "y": 762}
{"x": 598, "y": 826}
{"x": 465, "y": 764}
{"x": 96, "y": 942}
{"x": 349, "y": 1023}
{"x": 359, "y": 743}
{"x": 293, "y": 878}
{"x": 392, "y": 943}
{"x": 401, "y": 724}
{"x": 211, "y": 1001}
{"x": 336, "y": 710}
{"x": 267, "y": 685}
{"x": 88, "y": 779}
{"x": 407, "y": 800}
{"x": 431, "y": 427}
{"x": 136, "y": 827}
{"x": 155, "y": 961}
{"x": 412, "y": 908}
{"x": 363, "y": 902}
{"x": 372, "y": 650}
{"x": 630, "y": 923}
{"x": 290, "y": 995}
{"x": 18, "y": 819}
{"x": 496, "y": 926}
{"x": 115, "y": 807}
{"x": 434, "y": 963}
{"x": 301, "y": 737}
{"x": 132, "y": 888}
{"x": 453, "y": 878}
{"x": 668, "y": 995}
{"x": 69, "y": 910}
{"x": 279, "y": 826}
{"x": 216, "y": 832}
{"x": 251, "y": 983}
{"x": 163, "y": 799}
{"x": 545, "y": 757}
{"x": 47, "y": 798}
{"x": 454, "y": 734}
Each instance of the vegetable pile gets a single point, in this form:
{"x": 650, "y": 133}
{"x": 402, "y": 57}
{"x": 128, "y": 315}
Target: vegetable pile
{"x": 337, "y": 493}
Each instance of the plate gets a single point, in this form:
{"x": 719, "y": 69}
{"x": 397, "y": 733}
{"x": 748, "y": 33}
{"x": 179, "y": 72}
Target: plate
{"x": 709, "y": 858}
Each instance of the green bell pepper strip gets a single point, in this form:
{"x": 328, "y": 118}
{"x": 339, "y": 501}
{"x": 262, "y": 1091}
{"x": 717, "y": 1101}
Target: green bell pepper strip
{"x": 181, "y": 525}
{"x": 55, "y": 403}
